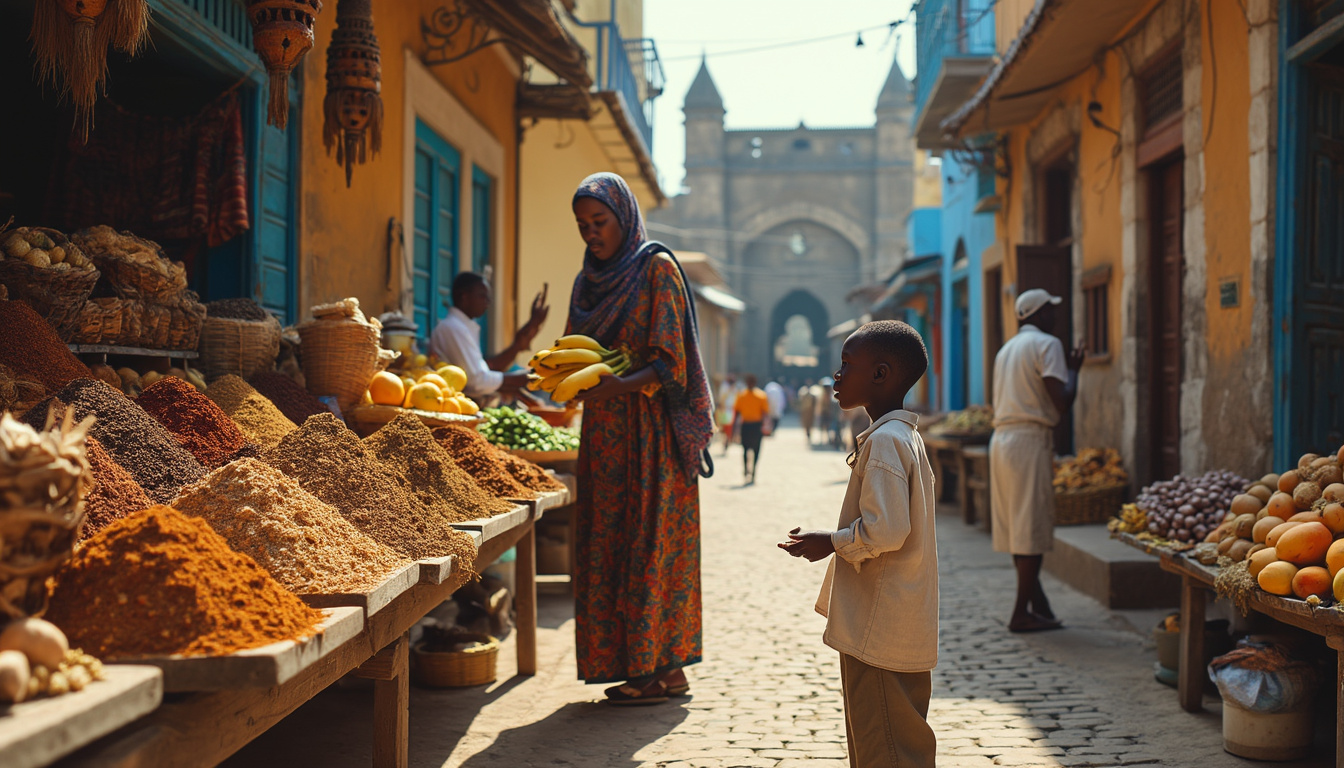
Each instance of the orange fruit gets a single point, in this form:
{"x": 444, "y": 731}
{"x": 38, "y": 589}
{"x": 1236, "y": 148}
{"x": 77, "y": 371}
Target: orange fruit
{"x": 386, "y": 389}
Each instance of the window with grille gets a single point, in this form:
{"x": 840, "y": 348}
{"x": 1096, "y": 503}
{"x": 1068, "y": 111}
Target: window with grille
{"x": 1161, "y": 92}
{"x": 1096, "y": 286}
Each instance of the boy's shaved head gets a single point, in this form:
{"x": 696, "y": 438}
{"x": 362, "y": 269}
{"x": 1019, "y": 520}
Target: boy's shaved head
{"x": 897, "y": 344}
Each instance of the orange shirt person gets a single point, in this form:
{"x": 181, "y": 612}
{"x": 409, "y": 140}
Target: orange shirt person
{"x": 750, "y": 410}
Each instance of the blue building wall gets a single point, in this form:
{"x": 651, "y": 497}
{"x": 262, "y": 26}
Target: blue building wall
{"x": 924, "y": 232}
{"x": 967, "y": 234}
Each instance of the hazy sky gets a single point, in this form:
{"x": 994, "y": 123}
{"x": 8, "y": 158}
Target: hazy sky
{"x": 825, "y": 83}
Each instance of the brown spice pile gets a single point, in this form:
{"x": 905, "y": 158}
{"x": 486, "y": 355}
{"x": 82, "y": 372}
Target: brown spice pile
{"x": 406, "y": 447}
{"x": 471, "y": 449}
{"x": 30, "y": 347}
{"x": 130, "y": 436}
{"x": 292, "y": 399}
{"x": 304, "y": 542}
{"x": 159, "y": 583}
{"x": 331, "y": 463}
{"x": 194, "y": 420}
{"x": 261, "y": 421}
{"x": 115, "y": 493}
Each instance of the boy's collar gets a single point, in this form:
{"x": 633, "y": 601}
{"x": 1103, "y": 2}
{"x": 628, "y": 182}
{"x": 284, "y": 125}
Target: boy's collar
{"x": 908, "y": 417}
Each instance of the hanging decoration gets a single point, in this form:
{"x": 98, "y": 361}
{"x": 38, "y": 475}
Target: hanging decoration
{"x": 70, "y": 41}
{"x": 353, "y": 107}
{"x": 282, "y": 32}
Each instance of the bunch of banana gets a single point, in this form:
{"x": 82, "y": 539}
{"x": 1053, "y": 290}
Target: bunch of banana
{"x": 574, "y": 363}
{"x": 1131, "y": 520}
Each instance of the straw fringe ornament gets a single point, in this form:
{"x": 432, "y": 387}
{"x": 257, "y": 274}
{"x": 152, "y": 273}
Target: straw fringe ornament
{"x": 353, "y": 107}
{"x": 282, "y": 32}
{"x": 70, "y": 40}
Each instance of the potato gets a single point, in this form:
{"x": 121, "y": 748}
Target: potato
{"x": 1256, "y": 561}
{"x": 1305, "y": 494}
{"x": 41, "y": 641}
{"x": 14, "y": 674}
{"x": 1262, "y": 528}
{"x": 1245, "y": 525}
{"x": 1261, "y": 492}
{"x": 1246, "y": 504}
{"x": 1276, "y": 578}
{"x": 1312, "y": 580}
{"x": 1333, "y": 517}
{"x": 1239, "y": 549}
{"x": 1305, "y": 460}
{"x": 1334, "y": 492}
{"x": 38, "y": 258}
{"x": 1225, "y": 545}
{"x": 1288, "y": 481}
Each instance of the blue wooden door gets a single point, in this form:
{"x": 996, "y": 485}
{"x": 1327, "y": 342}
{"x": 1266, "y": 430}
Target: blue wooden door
{"x": 434, "y": 249}
{"x": 273, "y": 235}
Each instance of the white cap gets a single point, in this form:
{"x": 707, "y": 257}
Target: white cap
{"x": 1032, "y": 300}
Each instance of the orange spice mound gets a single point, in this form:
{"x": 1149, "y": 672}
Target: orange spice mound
{"x": 158, "y": 583}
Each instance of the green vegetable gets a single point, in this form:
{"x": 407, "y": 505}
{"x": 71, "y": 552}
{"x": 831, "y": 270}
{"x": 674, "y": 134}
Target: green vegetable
{"x": 519, "y": 430}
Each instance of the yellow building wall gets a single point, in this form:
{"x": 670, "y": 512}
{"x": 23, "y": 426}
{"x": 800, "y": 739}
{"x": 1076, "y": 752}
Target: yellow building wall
{"x": 928, "y": 181}
{"x": 344, "y": 232}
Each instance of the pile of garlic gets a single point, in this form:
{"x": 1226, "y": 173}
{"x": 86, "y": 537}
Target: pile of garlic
{"x": 37, "y": 248}
{"x": 36, "y": 660}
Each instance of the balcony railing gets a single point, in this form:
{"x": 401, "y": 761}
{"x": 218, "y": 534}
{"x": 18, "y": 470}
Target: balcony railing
{"x": 949, "y": 28}
{"x": 632, "y": 69}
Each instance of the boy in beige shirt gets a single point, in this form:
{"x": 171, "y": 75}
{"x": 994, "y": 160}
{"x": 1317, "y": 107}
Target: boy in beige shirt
{"x": 880, "y": 597}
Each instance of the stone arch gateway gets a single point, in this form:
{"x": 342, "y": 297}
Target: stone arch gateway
{"x": 787, "y": 360}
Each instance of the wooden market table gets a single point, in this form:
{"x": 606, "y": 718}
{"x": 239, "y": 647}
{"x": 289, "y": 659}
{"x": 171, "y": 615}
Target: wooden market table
{"x": 1197, "y": 580}
{"x": 945, "y": 455}
{"x": 205, "y": 728}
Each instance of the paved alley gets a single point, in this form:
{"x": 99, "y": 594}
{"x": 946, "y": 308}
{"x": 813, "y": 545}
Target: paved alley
{"x": 768, "y": 694}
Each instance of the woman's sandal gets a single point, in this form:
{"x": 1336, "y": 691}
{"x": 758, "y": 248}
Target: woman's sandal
{"x": 653, "y": 693}
{"x": 680, "y": 689}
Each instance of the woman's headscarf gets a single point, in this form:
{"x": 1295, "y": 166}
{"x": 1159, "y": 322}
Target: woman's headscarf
{"x": 606, "y": 292}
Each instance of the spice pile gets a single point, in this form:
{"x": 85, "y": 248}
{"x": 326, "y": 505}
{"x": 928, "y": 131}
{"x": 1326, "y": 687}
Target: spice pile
{"x": 259, "y": 420}
{"x": 331, "y": 463}
{"x": 497, "y": 471}
{"x": 302, "y": 541}
{"x": 31, "y": 348}
{"x": 293, "y": 400}
{"x": 426, "y": 472}
{"x": 194, "y": 421}
{"x": 115, "y": 493}
{"x": 130, "y": 436}
{"x": 159, "y": 583}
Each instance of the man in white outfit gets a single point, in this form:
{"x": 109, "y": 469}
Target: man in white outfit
{"x": 1034, "y": 384}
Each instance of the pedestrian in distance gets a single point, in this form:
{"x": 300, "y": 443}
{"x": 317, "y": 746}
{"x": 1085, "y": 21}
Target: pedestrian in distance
{"x": 750, "y": 411}
{"x": 1035, "y": 383}
{"x": 880, "y": 595}
{"x": 646, "y": 434}
{"x": 807, "y": 408}
{"x": 728, "y": 390}
{"x": 825, "y": 421}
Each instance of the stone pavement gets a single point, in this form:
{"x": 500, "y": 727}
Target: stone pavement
{"x": 768, "y": 693}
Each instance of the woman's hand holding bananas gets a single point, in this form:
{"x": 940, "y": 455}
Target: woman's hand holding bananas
{"x": 575, "y": 364}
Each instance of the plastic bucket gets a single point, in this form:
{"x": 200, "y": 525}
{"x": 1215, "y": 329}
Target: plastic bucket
{"x": 1259, "y": 736}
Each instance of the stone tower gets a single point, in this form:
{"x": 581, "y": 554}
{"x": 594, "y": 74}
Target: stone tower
{"x": 895, "y": 171}
{"x": 707, "y": 205}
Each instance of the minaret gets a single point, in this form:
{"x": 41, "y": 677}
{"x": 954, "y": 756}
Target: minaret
{"x": 706, "y": 205}
{"x": 895, "y": 172}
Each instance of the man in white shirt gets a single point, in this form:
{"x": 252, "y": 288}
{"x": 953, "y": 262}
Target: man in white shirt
{"x": 774, "y": 392}
{"x": 1034, "y": 383}
{"x": 457, "y": 338}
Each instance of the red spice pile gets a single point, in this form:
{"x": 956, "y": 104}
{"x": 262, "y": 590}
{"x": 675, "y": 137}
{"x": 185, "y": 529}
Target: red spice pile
{"x": 115, "y": 493}
{"x": 195, "y": 421}
{"x": 31, "y": 348}
{"x": 487, "y": 462}
{"x": 159, "y": 583}
{"x": 293, "y": 400}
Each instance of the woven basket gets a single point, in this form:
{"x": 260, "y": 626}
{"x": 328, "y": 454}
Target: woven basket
{"x": 57, "y": 295}
{"x": 1089, "y": 505}
{"x": 185, "y": 322}
{"x": 456, "y": 669}
{"x": 339, "y": 356}
{"x": 239, "y": 347}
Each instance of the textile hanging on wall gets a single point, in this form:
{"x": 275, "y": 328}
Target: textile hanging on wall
{"x": 161, "y": 177}
{"x": 353, "y": 107}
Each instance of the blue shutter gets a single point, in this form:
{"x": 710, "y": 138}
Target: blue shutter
{"x": 434, "y": 241}
{"x": 482, "y": 216}
{"x": 273, "y": 233}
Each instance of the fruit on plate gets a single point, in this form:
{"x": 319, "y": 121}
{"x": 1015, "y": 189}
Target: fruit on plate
{"x": 426, "y": 397}
{"x": 454, "y": 376}
{"x": 387, "y": 389}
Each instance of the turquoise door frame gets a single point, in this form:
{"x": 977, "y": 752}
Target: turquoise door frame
{"x": 434, "y": 241}
{"x": 482, "y": 230}
{"x": 1291, "y": 388}
{"x": 263, "y": 264}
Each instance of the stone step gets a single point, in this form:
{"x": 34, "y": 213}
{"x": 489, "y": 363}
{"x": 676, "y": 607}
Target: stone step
{"x": 1119, "y": 577}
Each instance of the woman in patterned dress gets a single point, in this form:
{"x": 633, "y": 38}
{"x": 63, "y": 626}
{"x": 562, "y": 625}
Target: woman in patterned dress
{"x": 637, "y": 547}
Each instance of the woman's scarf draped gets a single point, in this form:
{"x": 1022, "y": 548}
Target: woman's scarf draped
{"x": 606, "y": 292}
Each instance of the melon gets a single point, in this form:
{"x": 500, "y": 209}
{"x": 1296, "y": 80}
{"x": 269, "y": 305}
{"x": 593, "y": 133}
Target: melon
{"x": 1304, "y": 544}
{"x": 1276, "y": 578}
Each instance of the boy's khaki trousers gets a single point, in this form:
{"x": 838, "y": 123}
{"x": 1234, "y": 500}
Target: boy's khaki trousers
{"x": 886, "y": 716}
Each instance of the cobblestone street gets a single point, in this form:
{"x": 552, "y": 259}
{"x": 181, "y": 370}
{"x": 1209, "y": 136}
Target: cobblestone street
{"x": 768, "y": 694}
